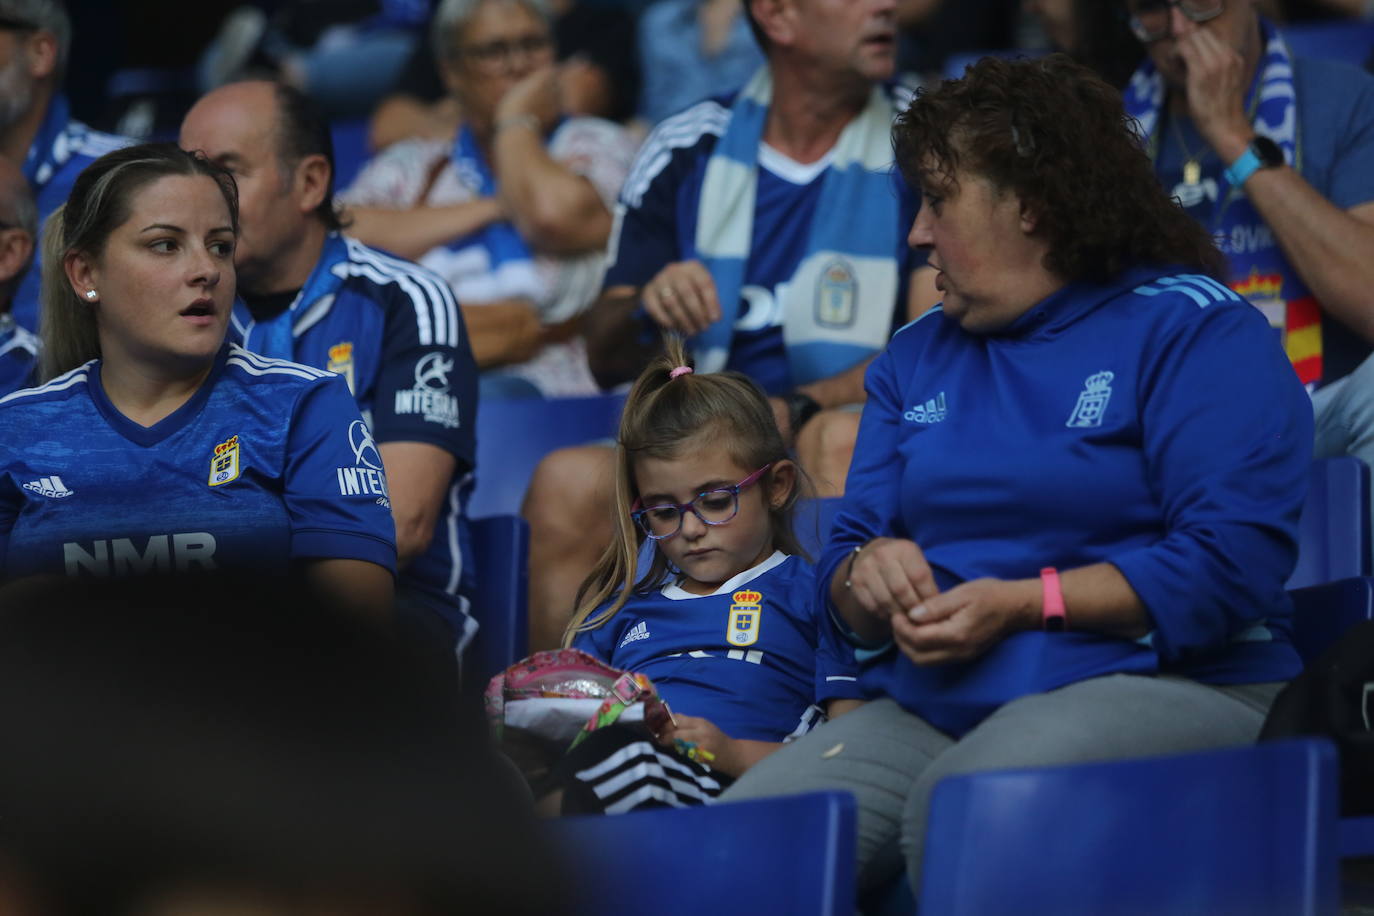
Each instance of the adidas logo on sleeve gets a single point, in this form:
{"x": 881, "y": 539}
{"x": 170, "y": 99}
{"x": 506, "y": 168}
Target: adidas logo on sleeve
{"x": 51, "y": 487}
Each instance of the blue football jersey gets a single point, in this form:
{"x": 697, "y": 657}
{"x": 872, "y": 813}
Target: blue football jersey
{"x": 754, "y": 657}
{"x": 60, "y": 152}
{"x": 395, "y": 332}
{"x": 656, "y": 220}
{"x": 18, "y": 356}
{"x": 268, "y": 462}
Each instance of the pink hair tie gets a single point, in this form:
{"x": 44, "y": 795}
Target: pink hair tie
{"x": 680, "y": 370}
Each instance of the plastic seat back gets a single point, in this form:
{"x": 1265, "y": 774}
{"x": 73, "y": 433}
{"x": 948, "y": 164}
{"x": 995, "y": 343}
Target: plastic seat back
{"x": 1250, "y": 830}
{"x": 500, "y": 548}
{"x": 812, "y": 523}
{"x": 793, "y": 854}
{"x": 1333, "y": 533}
{"x": 512, "y": 436}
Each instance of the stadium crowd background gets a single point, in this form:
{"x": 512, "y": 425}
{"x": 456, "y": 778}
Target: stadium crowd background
{"x": 383, "y": 76}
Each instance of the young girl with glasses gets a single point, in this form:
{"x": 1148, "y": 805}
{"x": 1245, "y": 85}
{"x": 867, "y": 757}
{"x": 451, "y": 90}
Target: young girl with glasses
{"x": 723, "y": 621}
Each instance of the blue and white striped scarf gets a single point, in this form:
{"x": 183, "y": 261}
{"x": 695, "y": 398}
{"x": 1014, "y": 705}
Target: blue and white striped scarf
{"x": 837, "y": 308}
{"x": 507, "y": 259}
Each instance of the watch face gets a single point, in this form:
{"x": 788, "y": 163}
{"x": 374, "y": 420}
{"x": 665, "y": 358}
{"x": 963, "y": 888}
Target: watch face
{"x": 1268, "y": 151}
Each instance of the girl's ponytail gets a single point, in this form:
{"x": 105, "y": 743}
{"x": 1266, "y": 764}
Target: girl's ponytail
{"x": 616, "y": 571}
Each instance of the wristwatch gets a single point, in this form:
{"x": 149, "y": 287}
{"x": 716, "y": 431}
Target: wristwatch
{"x": 1262, "y": 153}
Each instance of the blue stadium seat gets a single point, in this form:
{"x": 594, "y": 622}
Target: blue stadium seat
{"x": 793, "y": 854}
{"x": 500, "y": 548}
{"x": 812, "y": 523}
{"x": 955, "y": 64}
{"x": 350, "y": 150}
{"x": 147, "y": 103}
{"x": 1344, "y": 40}
{"x": 1322, "y": 613}
{"x": 513, "y": 435}
{"x": 1333, "y": 533}
{"x": 1248, "y": 830}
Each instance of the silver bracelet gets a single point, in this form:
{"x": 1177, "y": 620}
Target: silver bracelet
{"x": 520, "y": 120}
{"x": 849, "y": 570}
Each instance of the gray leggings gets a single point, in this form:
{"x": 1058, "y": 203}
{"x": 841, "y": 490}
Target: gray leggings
{"x": 891, "y": 759}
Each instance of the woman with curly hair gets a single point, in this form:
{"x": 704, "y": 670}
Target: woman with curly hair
{"x": 1075, "y": 494}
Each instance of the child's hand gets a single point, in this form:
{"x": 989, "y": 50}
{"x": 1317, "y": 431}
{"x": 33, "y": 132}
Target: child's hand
{"x": 703, "y": 742}
{"x": 706, "y": 744}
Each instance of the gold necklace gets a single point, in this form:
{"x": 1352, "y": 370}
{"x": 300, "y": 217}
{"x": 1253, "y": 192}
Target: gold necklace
{"x": 1192, "y": 164}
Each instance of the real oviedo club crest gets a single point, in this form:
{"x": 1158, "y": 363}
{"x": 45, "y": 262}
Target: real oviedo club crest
{"x": 744, "y": 618}
{"x": 224, "y": 464}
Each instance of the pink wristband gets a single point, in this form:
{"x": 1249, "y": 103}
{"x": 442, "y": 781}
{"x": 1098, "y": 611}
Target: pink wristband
{"x": 1052, "y": 604}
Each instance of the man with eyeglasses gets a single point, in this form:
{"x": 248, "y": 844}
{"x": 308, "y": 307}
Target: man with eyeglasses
{"x": 36, "y": 126}
{"x": 18, "y": 229}
{"x": 1276, "y": 156}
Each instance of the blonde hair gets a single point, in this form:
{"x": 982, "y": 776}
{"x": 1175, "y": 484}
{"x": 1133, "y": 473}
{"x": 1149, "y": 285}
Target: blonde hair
{"x": 101, "y": 201}
{"x": 662, "y": 416}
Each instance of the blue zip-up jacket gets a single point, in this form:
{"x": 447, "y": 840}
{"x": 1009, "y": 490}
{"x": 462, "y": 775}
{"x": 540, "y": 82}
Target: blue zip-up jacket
{"x": 1152, "y": 423}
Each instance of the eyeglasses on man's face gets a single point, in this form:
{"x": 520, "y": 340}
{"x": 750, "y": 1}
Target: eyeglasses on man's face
{"x": 713, "y": 507}
{"x": 492, "y": 55}
{"x": 1150, "y": 18}
{"x": 11, "y": 24}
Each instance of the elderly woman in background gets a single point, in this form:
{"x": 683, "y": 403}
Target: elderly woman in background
{"x": 155, "y": 447}
{"x": 1074, "y": 498}
{"x": 515, "y": 210}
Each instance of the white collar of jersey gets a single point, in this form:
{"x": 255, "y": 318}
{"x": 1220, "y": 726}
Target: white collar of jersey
{"x": 789, "y": 169}
{"x": 676, "y": 592}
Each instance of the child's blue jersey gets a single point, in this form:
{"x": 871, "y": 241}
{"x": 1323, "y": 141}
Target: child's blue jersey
{"x": 395, "y": 332}
{"x": 18, "y": 356}
{"x": 268, "y": 462}
{"x": 755, "y": 657}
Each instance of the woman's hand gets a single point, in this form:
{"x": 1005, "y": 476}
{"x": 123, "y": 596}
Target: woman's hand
{"x": 537, "y": 96}
{"x": 887, "y": 578}
{"x": 962, "y": 623}
{"x": 682, "y": 297}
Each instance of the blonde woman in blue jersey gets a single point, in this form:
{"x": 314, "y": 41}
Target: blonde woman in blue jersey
{"x": 154, "y": 447}
{"x": 722, "y": 621}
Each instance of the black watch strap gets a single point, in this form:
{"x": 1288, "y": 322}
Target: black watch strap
{"x": 801, "y": 407}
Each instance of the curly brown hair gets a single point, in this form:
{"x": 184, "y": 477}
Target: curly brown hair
{"x": 1052, "y": 132}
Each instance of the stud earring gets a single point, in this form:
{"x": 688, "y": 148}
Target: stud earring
{"x": 90, "y": 294}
